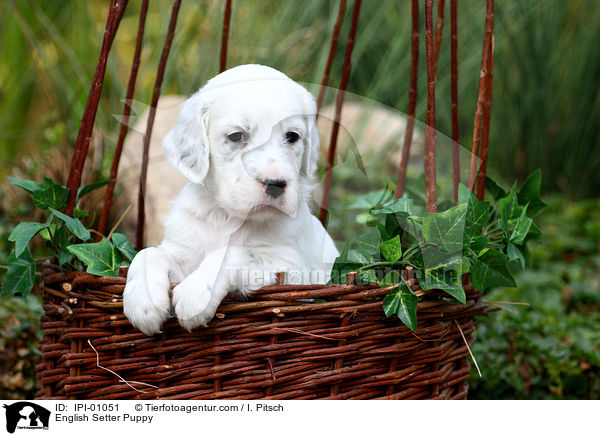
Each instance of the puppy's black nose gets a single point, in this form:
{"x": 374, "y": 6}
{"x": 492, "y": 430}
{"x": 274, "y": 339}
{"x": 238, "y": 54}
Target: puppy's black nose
{"x": 275, "y": 187}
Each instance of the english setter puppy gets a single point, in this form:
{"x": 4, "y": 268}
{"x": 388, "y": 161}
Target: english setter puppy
{"x": 248, "y": 143}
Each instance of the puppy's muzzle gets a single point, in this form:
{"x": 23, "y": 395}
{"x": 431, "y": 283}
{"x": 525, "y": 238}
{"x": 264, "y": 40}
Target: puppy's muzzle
{"x": 274, "y": 187}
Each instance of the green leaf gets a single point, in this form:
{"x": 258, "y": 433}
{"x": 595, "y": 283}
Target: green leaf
{"x": 515, "y": 255}
{"x": 344, "y": 266}
{"x": 28, "y": 185}
{"x": 372, "y": 199}
{"x": 478, "y": 212}
{"x": 530, "y": 192}
{"x": 123, "y": 245}
{"x": 494, "y": 188}
{"x": 73, "y": 224}
{"x": 20, "y": 276}
{"x": 102, "y": 258}
{"x": 474, "y": 240}
{"x": 91, "y": 187}
{"x": 400, "y": 301}
{"x": 80, "y": 213}
{"x": 23, "y": 234}
{"x": 510, "y": 211}
{"x": 368, "y": 243}
{"x": 443, "y": 271}
{"x": 402, "y": 205}
{"x": 490, "y": 271}
{"x": 392, "y": 249}
{"x": 446, "y": 229}
{"x": 367, "y": 276}
{"x": 64, "y": 257}
{"x": 51, "y": 195}
{"x": 521, "y": 228}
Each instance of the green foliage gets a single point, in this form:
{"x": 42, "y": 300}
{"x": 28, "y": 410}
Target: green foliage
{"x": 550, "y": 349}
{"x": 401, "y": 301}
{"x": 60, "y": 233}
{"x": 102, "y": 258}
{"x": 19, "y": 338}
{"x": 473, "y": 236}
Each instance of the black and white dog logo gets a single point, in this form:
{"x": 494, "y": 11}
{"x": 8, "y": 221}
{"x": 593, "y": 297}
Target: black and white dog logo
{"x": 26, "y": 415}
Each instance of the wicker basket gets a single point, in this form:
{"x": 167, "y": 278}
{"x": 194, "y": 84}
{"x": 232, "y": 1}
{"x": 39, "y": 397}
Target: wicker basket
{"x": 277, "y": 345}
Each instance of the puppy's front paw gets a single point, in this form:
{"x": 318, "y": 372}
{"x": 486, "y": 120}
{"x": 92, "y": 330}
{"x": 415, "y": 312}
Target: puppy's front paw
{"x": 190, "y": 299}
{"x": 197, "y": 298}
{"x": 146, "y": 295}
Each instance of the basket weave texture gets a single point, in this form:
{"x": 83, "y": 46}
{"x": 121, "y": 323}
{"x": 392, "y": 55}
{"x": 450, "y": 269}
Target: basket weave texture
{"x": 279, "y": 344}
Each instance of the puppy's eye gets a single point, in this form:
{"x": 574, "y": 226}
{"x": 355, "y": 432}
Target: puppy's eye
{"x": 236, "y": 136}
{"x": 292, "y": 137}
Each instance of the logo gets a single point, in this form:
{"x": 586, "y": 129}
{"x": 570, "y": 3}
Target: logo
{"x": 26, "y": 415}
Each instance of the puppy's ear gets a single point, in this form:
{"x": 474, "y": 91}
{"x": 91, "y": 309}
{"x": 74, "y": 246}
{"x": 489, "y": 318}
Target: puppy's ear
{"x": 186, "y": 146}
{"x": 311, "y": 152}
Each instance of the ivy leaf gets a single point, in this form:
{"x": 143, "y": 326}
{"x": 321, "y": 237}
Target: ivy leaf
{"x": 368, "y": 243}
{"x": 102, "y": 258}
{"x": 123, "y": 245}
{"x": 392, "y": 249}
{"x": 24, "y": 233}
{"x": 515, "y": 255}
{"x": 443, "y": 271}
{"x": 372, "y": 199}
{"x": 478, "y": 212}
{"x": 92, "y": 187}
{"x": 28, "y": 185}
{"x": 51, "y": 195}
{"x": 510, "y": 211}
{"x": 402, "y": 205}
{"x": 344, "y": 266}
{"x": 534, "y": 232}
{"x": 400, "y": 301}
{"x": 530, "y": 193}
{"x": 474, "y": 240}
{"x": 490, "y": 271}
{"x": 494, "y": 188}
{"x": 367, "y": 276}
{"x": 73, "y": 224}
{"x": 64, "y": 257}
{"x": 521, "y": 228}
{"x": 446, "y": 229}
{"x": 20, "y": 276}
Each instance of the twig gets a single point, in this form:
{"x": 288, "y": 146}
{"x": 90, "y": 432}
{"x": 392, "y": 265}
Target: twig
{"x": 139, "y": 243}
{"x": 124, "y": 127}
{"x": 300, "y": 332}
{"x": 334, "y": 40}
{"x": 128, "y": 383}
{"x": 225, "y": 36}
{"x": 338, "y": 113}
{"x": 430, "y": 134}
{"x": 514, "y": 303}
{"x": 506, "y": 308}
{"x": 482, "y": 93}
{"x": 468, "y": 348}
{"x": 412, "y": 101}
{"x": 430, "y": 340}
{"x": 121, "y": 218}
{"x": 454, "y": 96}
{"x": 115, "y": 13}
{"x": 439, "y": 27}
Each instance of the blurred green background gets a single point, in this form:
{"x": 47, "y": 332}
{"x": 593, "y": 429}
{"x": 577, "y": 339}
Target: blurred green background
{"x": 546, "y": 114}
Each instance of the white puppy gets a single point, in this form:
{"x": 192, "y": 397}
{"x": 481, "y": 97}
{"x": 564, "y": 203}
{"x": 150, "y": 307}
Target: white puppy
{"x": 248, "y": 143}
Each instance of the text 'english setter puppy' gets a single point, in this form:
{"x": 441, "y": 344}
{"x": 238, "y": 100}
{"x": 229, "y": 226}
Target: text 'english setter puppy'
{"x": 248, "y": 143}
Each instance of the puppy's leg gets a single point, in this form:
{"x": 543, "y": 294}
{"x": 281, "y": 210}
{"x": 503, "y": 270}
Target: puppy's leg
{"x": 146, "y": 296}
{"x": 197, "y": 298}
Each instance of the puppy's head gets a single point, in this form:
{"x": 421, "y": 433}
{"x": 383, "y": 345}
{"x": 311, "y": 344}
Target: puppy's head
{"x": 250, "y": 136}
